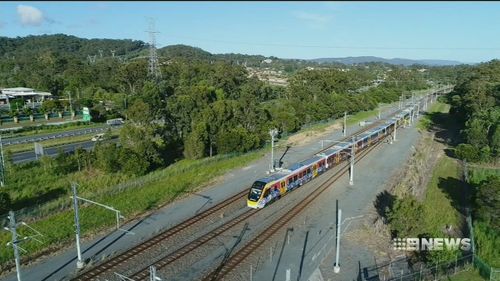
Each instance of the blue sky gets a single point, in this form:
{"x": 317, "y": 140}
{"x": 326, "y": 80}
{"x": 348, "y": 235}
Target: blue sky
{"x": 463, "y": 31}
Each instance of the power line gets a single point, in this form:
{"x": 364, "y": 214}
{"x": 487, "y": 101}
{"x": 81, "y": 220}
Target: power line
{"x": 336, "y": 47}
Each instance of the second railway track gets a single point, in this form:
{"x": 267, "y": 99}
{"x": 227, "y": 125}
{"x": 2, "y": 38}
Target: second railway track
{"x": 232, "y": 263}
{"x": 133, "y": 253}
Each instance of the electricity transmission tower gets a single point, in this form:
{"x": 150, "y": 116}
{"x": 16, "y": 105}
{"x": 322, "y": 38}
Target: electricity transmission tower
{"x": 153, "y": 67}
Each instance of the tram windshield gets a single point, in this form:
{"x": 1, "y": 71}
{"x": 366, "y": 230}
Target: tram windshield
{"x": 256, "y": 191}
{"x": 254, "y": 194}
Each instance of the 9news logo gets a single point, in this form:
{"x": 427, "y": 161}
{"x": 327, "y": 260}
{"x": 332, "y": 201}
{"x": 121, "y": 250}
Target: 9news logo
{"x": 431, "y": 244}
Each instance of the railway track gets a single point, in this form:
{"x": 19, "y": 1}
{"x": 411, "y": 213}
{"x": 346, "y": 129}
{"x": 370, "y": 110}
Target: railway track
{"x": 245, "y": 251}
{"x": 143, "y": 274}
{"x": 109, "y": 265}
{"x": 112, "y": 263}
{"x": 262, "y": 237}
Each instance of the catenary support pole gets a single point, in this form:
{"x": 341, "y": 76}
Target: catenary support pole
{"x": 13, "y": 230}
{"x": 395, "y": 130}
{"x": 344, "y": 131}
{"x": 79, "y": 262}
{"x": 351, "y": 170}
{"x": 336, "y": 268}
{"x": 2, "y": 163}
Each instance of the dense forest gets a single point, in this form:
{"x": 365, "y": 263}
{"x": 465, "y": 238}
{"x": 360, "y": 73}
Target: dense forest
{"x": 203, "y": 105}
{"x": 476, "y": 104}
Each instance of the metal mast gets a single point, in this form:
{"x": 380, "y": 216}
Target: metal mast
{"x": 153, "y": 67}
{"x": 2, "y": 164}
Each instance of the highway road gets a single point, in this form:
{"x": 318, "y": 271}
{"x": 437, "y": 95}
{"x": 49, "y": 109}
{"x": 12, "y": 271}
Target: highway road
{"x": 23, "y": 157}
{"x": 70, "y": 133}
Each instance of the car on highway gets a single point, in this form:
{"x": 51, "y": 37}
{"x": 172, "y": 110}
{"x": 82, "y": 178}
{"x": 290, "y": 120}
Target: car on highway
{"x": 115, "y": 122}
{"x": 98, "y": 137}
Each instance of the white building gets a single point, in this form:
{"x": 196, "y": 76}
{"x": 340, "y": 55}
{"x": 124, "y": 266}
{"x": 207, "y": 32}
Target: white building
{"x": 27, "y": 94}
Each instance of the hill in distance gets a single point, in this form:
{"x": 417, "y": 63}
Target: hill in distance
{"x": 394, "y": 61}
{"x": 68, "y": 45}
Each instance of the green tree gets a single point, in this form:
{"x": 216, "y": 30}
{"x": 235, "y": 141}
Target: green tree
{"x": 146, "y": 141}
{"x": 405, "y": 218}
{"x": 487, "y": 201}
{"x": 236, "y": 140}
{"x": 107, "y": 157}
{"x": 132, "y": 75}
{"x": 196, "y": 142}
{"x": 133, "y": 164}
{"x": 467, "y": 152}
{"x": 140, "y": 113}
{"x": 50, "y": 106}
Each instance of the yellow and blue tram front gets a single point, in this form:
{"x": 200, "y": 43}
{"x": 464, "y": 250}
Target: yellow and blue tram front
{"x": 255, "y": 194}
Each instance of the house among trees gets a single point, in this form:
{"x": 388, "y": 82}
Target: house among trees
{"x": 28, "y": 95}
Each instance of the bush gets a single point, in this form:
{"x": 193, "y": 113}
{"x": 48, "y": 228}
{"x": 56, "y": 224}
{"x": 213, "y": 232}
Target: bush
{"x": 405, "y": 218}
{"x": 467, "y": 152}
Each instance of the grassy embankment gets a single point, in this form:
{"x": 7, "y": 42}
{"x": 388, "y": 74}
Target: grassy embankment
{"x": 444, "y": 194}
{"x": 447, "y": 195}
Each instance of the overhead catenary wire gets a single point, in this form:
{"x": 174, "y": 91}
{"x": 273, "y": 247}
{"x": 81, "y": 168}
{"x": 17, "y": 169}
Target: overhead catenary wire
{"x": 333, "y": 47}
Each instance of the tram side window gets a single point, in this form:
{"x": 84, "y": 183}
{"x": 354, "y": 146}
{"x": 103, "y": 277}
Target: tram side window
{"x": 295, "y": 178}
{"x": 266, "y": 193}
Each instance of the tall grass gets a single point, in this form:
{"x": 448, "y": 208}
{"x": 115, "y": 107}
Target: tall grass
{"x": 444, "y": 194}
{"x": 487, "y": 238}
{"x": 425, "y": 123}
{"x": 487, "y": 242}
{"x": 478, "y": 174}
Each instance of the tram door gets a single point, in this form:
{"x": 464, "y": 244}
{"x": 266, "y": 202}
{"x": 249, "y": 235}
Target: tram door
{"x": 315, "y": 170}
{"x": 283, "y": 187}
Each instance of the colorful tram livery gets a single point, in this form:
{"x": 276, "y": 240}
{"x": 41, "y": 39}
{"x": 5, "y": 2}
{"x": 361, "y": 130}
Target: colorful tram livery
{"x": 271, "y": 188}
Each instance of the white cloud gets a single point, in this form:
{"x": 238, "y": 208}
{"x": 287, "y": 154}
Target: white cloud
{"x": 30, "y": 15}
{"x": 313, "y": 20}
